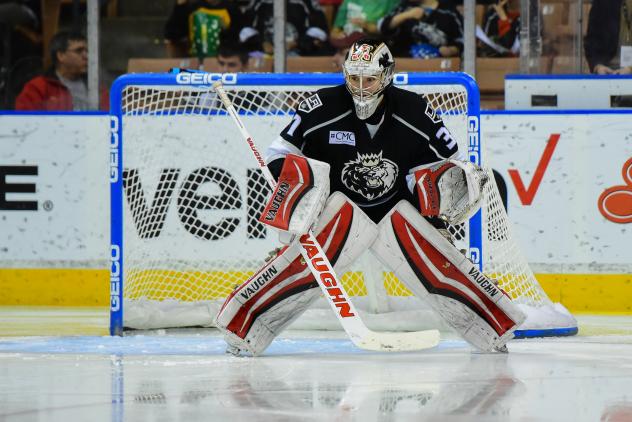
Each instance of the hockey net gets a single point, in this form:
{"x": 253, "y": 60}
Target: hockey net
{"x": 187, "y": 203}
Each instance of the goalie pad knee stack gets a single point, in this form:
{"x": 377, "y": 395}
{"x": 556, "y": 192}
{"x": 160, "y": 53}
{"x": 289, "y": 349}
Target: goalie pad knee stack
{"x": 435, "y": 271}
{"x": 257, "y": 311}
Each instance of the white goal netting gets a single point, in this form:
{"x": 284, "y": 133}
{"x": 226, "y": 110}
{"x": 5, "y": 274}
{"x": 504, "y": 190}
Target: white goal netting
{"x": 191, "y": 195}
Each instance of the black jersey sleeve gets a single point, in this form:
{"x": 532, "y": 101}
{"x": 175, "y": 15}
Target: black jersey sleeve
{"x": 441, "y": 141}
{"x": 305, "y": 116}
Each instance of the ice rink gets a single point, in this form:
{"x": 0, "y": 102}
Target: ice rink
{"x": 60, "y": 365}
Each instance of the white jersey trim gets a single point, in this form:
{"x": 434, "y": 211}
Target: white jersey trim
{"x": 335, "y": 119}
{"x": 411, "y": 127}
{"x": 279, "y": 148}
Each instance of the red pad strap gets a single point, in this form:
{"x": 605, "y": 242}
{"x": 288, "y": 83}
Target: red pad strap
{"x": 427, "y": 189}
{"x": 295, "y": 181}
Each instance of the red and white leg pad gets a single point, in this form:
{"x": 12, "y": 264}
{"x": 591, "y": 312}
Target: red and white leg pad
{"x": 258, "y": 310}
{"x": 435, "y": 271}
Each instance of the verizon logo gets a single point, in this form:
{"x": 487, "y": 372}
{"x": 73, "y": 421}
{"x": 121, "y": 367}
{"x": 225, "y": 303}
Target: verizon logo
{"x": 185, "y": 192}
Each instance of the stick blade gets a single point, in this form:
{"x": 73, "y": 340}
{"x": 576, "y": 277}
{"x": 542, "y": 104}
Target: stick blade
{"x": 397, "y": 342}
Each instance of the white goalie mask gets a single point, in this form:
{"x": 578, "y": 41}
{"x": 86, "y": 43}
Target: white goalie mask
{"x": 368, "y": 70}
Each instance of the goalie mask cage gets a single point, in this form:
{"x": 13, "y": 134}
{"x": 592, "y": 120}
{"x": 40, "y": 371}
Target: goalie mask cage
{"x": 186, "y": 194}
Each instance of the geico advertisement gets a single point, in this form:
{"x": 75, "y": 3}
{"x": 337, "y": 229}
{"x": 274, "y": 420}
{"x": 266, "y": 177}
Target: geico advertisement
{"x": 54, "y": 201}
{"x": 192, "y": 188}
{"x": 569, "y": 184}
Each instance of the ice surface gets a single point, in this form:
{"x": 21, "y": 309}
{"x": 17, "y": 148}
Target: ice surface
{"x": 186, "y": 376}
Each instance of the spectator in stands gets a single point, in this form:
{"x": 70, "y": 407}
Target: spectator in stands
{"x": 330, "y": 7}
{"x": 424, "y": 29}
{"x": 232, "y": 58}
{"x": 64, "y": 86}
{"x": 305, "y": 28}
{"x": 195, "y": 27}
{"x": 356, "y": 18}
{"x": 608, "y": 42}
{"x": 500, "y": 34}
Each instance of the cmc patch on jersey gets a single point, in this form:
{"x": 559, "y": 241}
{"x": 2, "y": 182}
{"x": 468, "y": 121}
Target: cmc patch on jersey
{"x": 341, "y": 137}
{"x": 370, "y": 175}
{"x": 310, "y": 103}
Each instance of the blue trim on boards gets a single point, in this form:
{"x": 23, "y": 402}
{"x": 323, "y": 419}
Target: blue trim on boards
{"x": 556, "y": 112}
{"x": 483, "y": 112}
{"x": 567, "y": 77}
{"x": 115, "y": 158}
{"x": 52, "y": 113}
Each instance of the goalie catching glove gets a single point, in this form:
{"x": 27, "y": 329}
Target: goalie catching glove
{"x": 451, "y": 190}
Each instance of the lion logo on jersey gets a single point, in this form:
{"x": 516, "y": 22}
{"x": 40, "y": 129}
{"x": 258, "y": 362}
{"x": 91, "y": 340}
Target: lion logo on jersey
{"x": 370, "y": 175}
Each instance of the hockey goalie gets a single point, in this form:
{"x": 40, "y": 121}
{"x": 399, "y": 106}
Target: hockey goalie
{"x": 368, "y": 165}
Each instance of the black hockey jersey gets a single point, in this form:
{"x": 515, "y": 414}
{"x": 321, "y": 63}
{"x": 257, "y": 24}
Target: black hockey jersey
{"x": 371, "y": 171}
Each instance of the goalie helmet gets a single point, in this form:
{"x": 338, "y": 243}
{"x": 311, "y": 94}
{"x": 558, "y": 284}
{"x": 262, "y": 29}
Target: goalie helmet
{"x": 368, "y": 71}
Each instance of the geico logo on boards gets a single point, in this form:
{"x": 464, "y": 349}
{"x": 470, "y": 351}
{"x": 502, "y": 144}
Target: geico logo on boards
{"x": 473, "y": 140}
{"x": 475, "y": 255}
{"x": 205, "y": 78}
{"x": 7, "y": 187}
{"x": 115, "y": 278}
{"x": 114, "y": 149}
{"x": 194, "y": 207}
{"x": 400, "y": 79}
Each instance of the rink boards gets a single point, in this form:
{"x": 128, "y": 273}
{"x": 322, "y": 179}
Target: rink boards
{"x": 568, "y": 178}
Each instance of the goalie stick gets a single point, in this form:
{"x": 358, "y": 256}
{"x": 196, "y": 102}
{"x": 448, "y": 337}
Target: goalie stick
{"x": 324, "y": 273}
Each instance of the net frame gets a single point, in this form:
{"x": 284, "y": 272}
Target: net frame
{"x": 171, "y": 103}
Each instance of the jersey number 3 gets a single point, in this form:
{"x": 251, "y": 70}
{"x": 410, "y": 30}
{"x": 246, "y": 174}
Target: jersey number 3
{"x": 445, "y": 136}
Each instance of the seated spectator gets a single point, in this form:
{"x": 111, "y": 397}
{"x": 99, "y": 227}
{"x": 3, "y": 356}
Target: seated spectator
{"x": 608, "y": 41}
{"x": 305, "y": 28}
{"x": 500, "y": 34}
{"x": 64, "y": 86}
{"x": 357, "y": 19}
{"x": 232, "y": 58}
{"x": 194, "y": 27}
{"x": 424, "y": 29}
{"x": 330, "y": 7}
